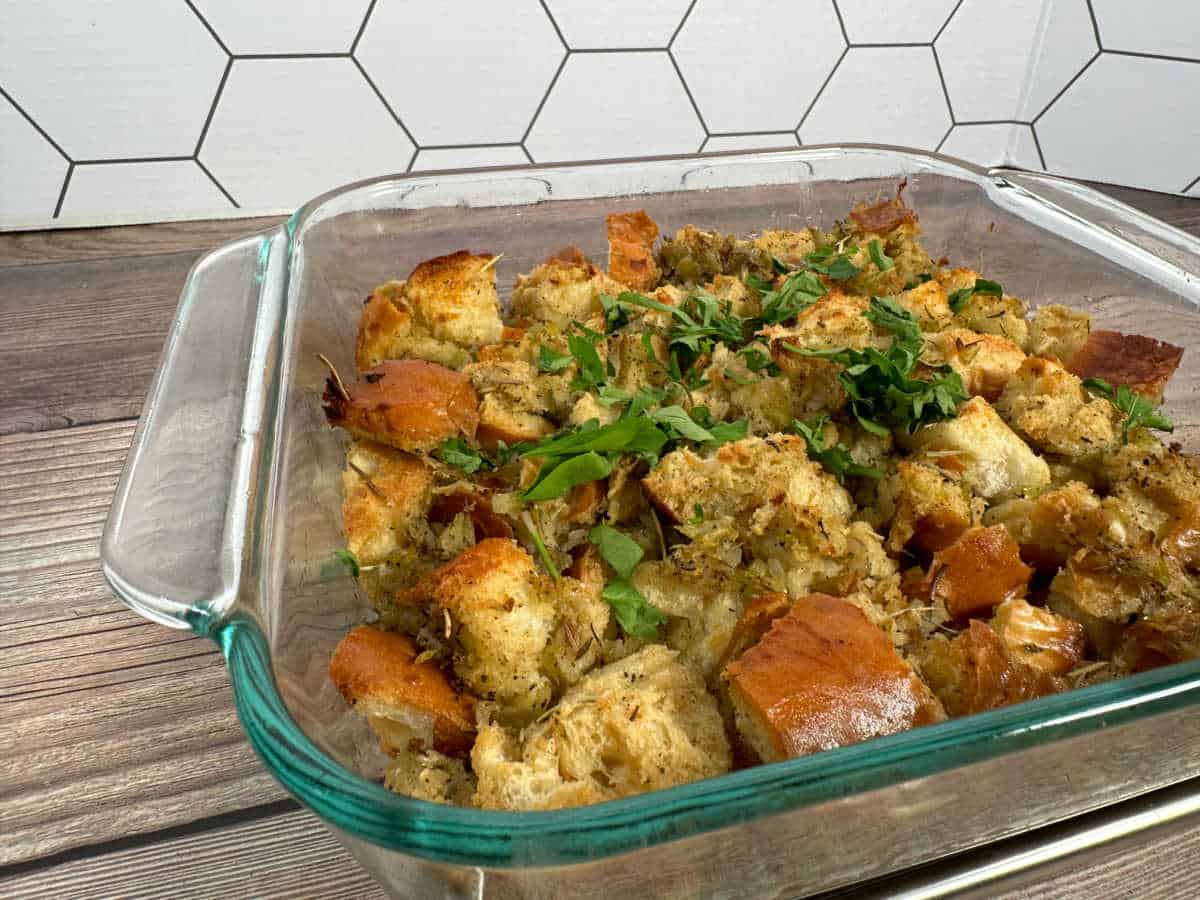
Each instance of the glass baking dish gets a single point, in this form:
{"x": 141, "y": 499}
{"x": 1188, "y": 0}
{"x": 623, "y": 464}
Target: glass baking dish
{"x": 228, "y": 513}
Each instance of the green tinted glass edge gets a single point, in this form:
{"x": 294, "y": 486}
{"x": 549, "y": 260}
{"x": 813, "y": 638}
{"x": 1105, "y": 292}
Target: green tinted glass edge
{"x": 501, "y": 839}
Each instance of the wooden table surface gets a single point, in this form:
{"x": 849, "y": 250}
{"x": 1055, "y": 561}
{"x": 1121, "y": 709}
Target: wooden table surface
{"x": 123, "y": 769}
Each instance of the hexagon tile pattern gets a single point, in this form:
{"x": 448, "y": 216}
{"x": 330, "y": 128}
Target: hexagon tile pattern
{"x": 615, "y": 104}
{"x": 31, "y": 170}
{"x": 472, "y": 74}
{"x": 135, "y": 110}
{"x": 777, "y": 53}
{"x": 910, "y": 22}
{"x": 284, "y": 26}
{"x": 126, "y": 78}
{"x": 986, "y": 52}
{"x": 865, "y": 98}
{"x": 622, "y": 24}
{"x": 288, "y": 129}
{"x": 1146, "y": 114}
{"x": 165, "y": 189}
{"x": 1163, "y": 27}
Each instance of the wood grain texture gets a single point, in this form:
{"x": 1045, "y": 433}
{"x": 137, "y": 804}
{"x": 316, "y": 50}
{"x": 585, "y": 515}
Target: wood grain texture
{"x": 109, "y": 725}
{"x": 27, "y": 248}
{"x": 289, "y": 855}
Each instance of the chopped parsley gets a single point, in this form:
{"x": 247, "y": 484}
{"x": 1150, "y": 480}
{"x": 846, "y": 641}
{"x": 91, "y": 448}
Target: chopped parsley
{"x": 958, "y": 299}
{"x": 799, "y": 291}
{"x": 836, "y": 458}
{"x": 349, "y": 560}
{"x": 697, "y": 515}
{"x": 550, "y": 360}
{"x": 882, "y": 390}
{"x": 833, "y": 262}
{"x": 458, "y": 453}
{"x": 882, "y": 261}
{"x": 637, "y": 616}
{"x": 591, "y": 372}
{"x": 1139, "y": 412}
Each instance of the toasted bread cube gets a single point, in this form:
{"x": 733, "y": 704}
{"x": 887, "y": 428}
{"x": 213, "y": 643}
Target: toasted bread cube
{"x": 986, "y": 313}
{"x": 823, "y": 676}
{"x": 882, "y": 216}
{"x": 980, "y": 448}
{"x": 408, "y": 703}
{"x": 432, "y": 776}
{"x": 754, "y": 622}
{"x": 1170, "y": 636}
{"x": 499, "y": 616}
{"x": 1049, "y": 408}
{"x": 447, "y": 306}
{"x": 930, "y": 507}
{"x": 929, "y": 304}
{"x": 1058, "y": 332}
{"x": 515, "y": 402}
{"x": 975, "y": 672}
{"x": 977, "y": 572}
{"x": 1052, "y": 526}
{"x": 984, "y": 361}
{"x": 1142, "y": 363}
{"x": 789, "y": 246}
{"x": 1039, "y": 638}
{"x": 407, "y": 404}
{"x": 895, "y": 226}
{"x": 387, "y": 494}
{"x": 631, "y": 238}
{"x": 640, "y": 724}
{"x": 565, "y": 288}
{"x": 761, "y": 497}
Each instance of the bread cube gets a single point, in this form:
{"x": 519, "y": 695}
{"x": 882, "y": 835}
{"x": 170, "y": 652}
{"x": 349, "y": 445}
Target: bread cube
{"x": 631, "y": 238}
{"x": 977, "y": 572}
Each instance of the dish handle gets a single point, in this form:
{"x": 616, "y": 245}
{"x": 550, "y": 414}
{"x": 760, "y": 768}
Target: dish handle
{"x": 172, "y": 547}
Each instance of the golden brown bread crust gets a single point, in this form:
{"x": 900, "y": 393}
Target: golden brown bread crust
{"x": 932, "y": 508}
{"x": 408, "y": 404}
{"x": 376, "y": 671}
{"x": 883, "y": 216}
{"x": 975, "y": 672}
{"x": 978, "y": 571}
{"x": 1039, "y": 637}
{"x": 478, "y": 505}
{"x": 631, "y": 238}
{"x": 382, "y": 318}
{"x": 824, "y": 677}
{"x": 386, "y": 494}
{"x": 754, "y": 622}
{"x": 1143, "y": 363}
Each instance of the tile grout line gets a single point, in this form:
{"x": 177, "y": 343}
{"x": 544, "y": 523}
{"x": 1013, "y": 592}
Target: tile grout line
{"x": 687, "y": 90}
{"x": 820, "y": 91}
{"x": 36, "y": 127}
{"x": 208, "y": 27}
{"x": 542, "y": 103}
{"x": 62, "y": 195}
{"x": 841, "y": 22}
{"x": 1066, "y": 87}
{"x": 678, "y": 28}
{"x": 362, "y": 27}
{"x": 554, "y": 24}
{"x": 220, "y": 187}
{"x": 382, "y": 99}
{"x": 212, "y": 109}
{"x": 937, "y": 62}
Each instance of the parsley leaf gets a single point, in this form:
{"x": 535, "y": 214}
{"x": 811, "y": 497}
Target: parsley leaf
{"x": 758, "y": 361}
{"x": 458, "y": 453}
{"x": 882, "y": 261}
{"x": 880, "y": 385}
{"x": 550, "y": 360}
{"x": 1139, "y": 412}
{"x": 722, "y": 432}
{"x": 616, "y": 314}
{"x": 738, "y": 378}
{"x": 556, "y": 477}
{"x": 836, "y": 459}
{"x": 636, "y": 615}
{"x": 629, "y": 435}
{"x": 799, "y": 291}
{"x": 958, "y": 299}
{"x": 591, "y": 368}
{"x": 540, "y": 546}
{"x": 697, "y": 515}
{"x": 680, "y": 425}
{"x": 349, "y": 560}
{"x": 834, "y": 263}
{"x": 619, "y": 550}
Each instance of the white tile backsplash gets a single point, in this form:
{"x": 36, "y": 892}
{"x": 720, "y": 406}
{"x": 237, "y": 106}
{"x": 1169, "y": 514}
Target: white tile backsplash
{"x": 615, "y": 104}
{"x": 158, "y": 109}
{"x": 288, "y": 129}
{"x": 756, "y": 65}
{"x": 865, "y": 100}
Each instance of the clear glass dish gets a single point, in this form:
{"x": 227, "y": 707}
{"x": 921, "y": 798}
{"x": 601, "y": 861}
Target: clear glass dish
{"x": 228, "y": 513}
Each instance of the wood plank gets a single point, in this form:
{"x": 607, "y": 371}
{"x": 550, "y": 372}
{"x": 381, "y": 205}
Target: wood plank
{"x": 288, "y": 855}
{"x": 25, "y": 248}
{"x": 80, "y": 342}
{"x": 112, "y": 726}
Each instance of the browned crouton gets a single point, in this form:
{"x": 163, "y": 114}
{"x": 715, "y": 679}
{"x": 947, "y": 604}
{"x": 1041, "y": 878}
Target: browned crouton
{"x": 447, "y": 307}
{"x": 1038, "y": 637}
{"x": 978, "y": 571}
{"x": 823, "y": 676}
{"x": 1143, "y": 363}
{"x": 386, "y": 495}
{"x": 408, "y": 404}
{"x": 631, "y": 238}
{"x": 565, "y": 288}
{"x": 976, "y": 672}
{"x": 1057, "y": 332}
{"x": 408, "y": 703}
{"x": 929, "y": 507}
{"x": 985, "y": 361}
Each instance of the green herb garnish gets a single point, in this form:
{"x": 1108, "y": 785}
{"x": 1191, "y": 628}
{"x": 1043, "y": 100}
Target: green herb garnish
{"x": 540, "y": 546}
{"x": 882, "y": 261}
{"x": 697, "y": 515}
{"x": 880, "y": 385}
{"x": 342, "y": 560}
{"x": 833, "y": 262}
{"x": 958, "y": 299}
{"x": 1139, "y": 412}
{"x": 836, "y": 458}
{"x": 458, "y": 453}
{"x": 637, "y": 616}
{"x": 799, "y": 291}
{"x": 550, "y": 360}
{"x": 591, "y": 368}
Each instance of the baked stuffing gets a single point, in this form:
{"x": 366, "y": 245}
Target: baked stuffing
{"x": 738, "y": 499}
